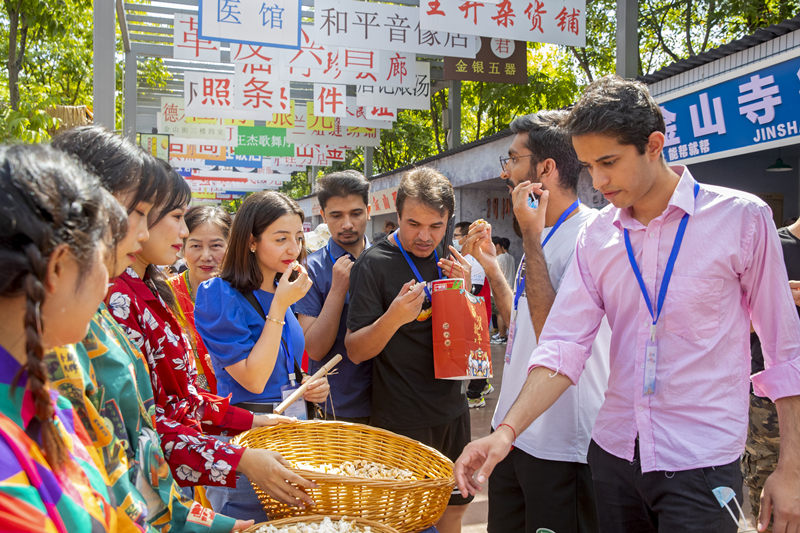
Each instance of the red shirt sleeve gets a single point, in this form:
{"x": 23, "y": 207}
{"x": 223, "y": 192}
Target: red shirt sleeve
{"x": 185, "y": 418}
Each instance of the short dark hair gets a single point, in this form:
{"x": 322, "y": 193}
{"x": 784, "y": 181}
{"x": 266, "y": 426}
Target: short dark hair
{"x": 257, "y": 212}
{"x": 505, "y": 243}
{"x": 430, "y": 187}
{"x": 463, "y": 226}
{"x": 216, "y": 216}
{"x": 617, "y": 107}
{"x": 343, "y": 183}
{"x": 548, "y": 139}
{"x": 393, "y": 224}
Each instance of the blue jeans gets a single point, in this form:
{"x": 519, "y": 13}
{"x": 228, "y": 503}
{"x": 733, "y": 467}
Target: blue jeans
{"x": 240, "y": 502}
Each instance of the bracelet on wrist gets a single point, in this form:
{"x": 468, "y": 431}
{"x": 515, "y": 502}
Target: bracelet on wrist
{"x": 281, "y": 322}
{"x": 513, "y": 431}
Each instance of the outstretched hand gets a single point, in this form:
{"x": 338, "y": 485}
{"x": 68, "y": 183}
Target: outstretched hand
{"x": 479, "y": 458}
{"x": 270, "y": 471}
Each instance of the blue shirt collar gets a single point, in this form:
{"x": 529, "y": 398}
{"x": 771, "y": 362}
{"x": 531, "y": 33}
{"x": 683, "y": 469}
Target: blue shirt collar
{"x": 337, "y": 251}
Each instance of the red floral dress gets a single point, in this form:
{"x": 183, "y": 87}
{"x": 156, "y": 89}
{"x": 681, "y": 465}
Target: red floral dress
{"x": 186, "y": 418}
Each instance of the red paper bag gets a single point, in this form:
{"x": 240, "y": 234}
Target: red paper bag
{"x": 461, "y": 347}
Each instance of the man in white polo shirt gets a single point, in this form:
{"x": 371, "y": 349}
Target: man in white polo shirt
{"x": 544, "y": 482}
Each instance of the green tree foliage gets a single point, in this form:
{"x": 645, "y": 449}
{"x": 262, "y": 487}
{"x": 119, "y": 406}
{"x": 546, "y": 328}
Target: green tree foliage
{"x": 298, "y": 186}
{"x": 48, "y": 46}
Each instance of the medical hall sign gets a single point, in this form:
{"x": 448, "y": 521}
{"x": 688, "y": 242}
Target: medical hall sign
{"x": 745, "y": 114}
{"x": 273, "y": 23}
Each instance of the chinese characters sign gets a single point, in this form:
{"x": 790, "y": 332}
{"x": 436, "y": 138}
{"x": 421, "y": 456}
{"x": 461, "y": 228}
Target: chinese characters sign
{"x": 735, "y": 116}
{"x": 370, "y": 25}
{"x": 260, "y": 140}
{"x": 417, "y": 97}
{"x": 547, "y": 21}
{"x": 261, "y": 22}
{"x": 498, "y": 61}
{"x": 187, "y": 45}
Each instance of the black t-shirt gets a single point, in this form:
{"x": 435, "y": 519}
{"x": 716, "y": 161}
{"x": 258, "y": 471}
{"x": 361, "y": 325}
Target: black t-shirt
{"x": 405, "y": 394}
{"x": 791, "y": 257}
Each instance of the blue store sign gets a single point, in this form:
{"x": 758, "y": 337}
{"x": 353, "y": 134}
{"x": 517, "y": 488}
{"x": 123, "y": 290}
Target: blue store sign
{"x": 736, "y": 116}
{"x": 238, "y": 161}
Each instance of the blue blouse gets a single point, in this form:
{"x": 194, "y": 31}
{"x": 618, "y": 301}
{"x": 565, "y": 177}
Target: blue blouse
{"x": 230, "y": 327}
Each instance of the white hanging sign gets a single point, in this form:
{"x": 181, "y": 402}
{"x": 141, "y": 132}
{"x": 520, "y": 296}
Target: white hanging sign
{"x": 186, "y": 43}
{"x": 417, "y": 97}
{"x": 273, "y": 23}
{"x": 547, "y": 21}
{"x": 385, "y": 27}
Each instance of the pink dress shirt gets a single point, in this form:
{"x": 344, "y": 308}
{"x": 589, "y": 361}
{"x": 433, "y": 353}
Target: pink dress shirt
{"x": 729, "y": 271}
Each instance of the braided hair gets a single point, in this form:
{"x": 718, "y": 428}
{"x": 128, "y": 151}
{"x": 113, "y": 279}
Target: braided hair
{"x": 47, "y": 200}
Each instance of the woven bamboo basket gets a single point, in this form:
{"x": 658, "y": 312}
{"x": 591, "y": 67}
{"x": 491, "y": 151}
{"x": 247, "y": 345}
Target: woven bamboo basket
{"x": 407, "y": 506}
{"x": 296, "y": 520}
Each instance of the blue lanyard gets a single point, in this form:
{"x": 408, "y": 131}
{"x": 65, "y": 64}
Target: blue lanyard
{"x": 521, "y": 274}
{"x": 673, "y": 255}
{"x": 414, "y": 269}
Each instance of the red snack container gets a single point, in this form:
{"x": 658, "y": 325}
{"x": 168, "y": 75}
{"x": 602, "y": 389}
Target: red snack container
{"x": 461, "y": 347}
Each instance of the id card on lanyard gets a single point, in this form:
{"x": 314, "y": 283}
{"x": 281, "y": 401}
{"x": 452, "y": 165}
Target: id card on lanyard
{"x": 298, "y": 408}
{"x": 651, "y": 346}
{"x": 520, "y": 281}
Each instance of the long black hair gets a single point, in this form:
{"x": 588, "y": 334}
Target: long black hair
{"x": 257, "y": 212}
{"x": 47, "y": 199}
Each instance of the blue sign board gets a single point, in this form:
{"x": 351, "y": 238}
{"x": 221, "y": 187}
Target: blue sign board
{"x": 237, "y": 160}
{"x": 736, "y": 115}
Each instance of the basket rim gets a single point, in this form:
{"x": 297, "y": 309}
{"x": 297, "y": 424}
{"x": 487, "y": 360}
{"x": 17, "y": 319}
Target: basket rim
{"x": 381, "y": 528}
{"x": 410, "y": 484}
{"x": 239, "y": 440}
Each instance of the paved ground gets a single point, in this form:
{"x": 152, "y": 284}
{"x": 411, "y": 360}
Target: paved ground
{"x": 475, "y": 517}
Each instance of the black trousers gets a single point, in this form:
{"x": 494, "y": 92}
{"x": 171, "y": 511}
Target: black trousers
{"x": 664, "y": 502}
{"x": 527, "y": 493}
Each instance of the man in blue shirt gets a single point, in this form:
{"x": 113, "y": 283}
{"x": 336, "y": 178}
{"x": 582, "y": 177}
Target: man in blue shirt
{"x": 344, "y": 205}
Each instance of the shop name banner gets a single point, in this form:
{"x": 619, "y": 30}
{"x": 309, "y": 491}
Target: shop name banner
{"x": 261, "y": 140}
{"x": 498, "y": 61}
{"x": 417, "y": 97}
{"x": 273, "y": 23}
{"x": 212, "y": 95}
{"x": 238, "y": 161}
{"x": 319, "y": 155}
{"x": 186, "y": 44}
{"x": 343, "y": 136}
{"x": 386, "y": 27}
{"x": 368, "y": 117}
{"x": 185, "y": 151}
{"x": 242, "y": 182}
{"x": 285, "y": 165}
{"x": 738, "y": 114}
{"x": 546, "y": 21}
{"x": 172, "y": 119}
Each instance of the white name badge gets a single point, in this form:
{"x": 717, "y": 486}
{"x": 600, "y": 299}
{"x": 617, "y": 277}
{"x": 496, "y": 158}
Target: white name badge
{"x": 650, "y": 360}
